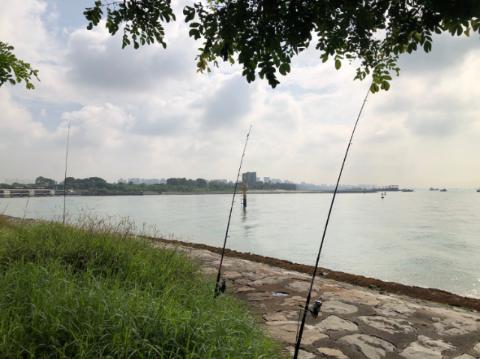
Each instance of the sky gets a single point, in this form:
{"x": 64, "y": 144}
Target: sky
{"x": 147, "y": 113}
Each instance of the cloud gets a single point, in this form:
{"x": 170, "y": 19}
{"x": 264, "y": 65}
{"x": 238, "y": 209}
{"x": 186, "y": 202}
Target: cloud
{"x": 27, "y": 148}
{"x": 440, "y": 104}
{"x": 99, "y": 126}
{"x": 97, "y": 60}
{"x": 21, "y": 24}
{"x": 163, "y": 125}
{"x": 147, "y": 113}
{"x": 17, "y": 121}
{"x": 229, "y": 104}
{"x": 447, "y": 51}
{"x": 434, "y": 123}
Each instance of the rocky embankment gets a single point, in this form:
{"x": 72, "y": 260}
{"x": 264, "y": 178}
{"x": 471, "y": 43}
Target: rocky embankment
{"x": 355, "y": 322}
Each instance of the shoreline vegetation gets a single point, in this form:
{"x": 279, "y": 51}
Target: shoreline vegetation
{"x": 99, "y": 291}
{"x": 96, "y": 186}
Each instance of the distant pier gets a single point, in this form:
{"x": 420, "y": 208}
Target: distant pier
{"x": 28, "y": 192}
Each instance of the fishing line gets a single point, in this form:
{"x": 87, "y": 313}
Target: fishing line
{"x": 65, "y": 177}
{"x": 318, "y": 303}
{"x": 5, "y": 209}
{"x": 220, "y": 288}
{"x": 26, "y": 207}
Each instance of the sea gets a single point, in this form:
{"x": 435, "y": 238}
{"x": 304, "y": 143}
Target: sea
{"x": 424, "y": 238}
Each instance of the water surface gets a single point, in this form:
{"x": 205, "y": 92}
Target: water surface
{"x": 424, "y": 238}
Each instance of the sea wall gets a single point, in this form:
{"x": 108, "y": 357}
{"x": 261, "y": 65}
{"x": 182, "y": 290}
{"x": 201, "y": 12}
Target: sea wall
{"x": 360, "y": 317}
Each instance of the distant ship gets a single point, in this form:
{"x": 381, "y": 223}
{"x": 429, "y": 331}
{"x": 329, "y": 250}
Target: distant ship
{"x": 443, "y": 190}
{"x": 433, "y": 189}
{"x": 478, "y": 190}
{"x": 407, "y": 190}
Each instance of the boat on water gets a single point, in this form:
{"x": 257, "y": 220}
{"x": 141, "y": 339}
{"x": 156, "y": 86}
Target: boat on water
{"x": 406, "y": 190}
{"x": 478, "y": 190}
{"x": 443, "y": 190}
{"x": 433, "y": 189}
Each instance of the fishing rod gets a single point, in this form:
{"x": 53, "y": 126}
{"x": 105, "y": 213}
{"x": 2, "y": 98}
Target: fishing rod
{"x": 66, "y": 167}
{"x": 220, "y": 288}
{"x": 315, "y": 309}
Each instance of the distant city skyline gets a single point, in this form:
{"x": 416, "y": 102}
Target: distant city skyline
{"x": 301, "y": 185}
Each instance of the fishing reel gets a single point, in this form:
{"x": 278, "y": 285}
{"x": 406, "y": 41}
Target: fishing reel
{"x": 220, "y": 288}
{"x": 315, "y": 308}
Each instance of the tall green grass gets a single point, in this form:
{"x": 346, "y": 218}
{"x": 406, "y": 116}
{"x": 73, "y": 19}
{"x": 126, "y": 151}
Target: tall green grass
{"x": 70, "y": 292}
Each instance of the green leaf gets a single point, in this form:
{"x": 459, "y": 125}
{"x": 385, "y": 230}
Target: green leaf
{"x": 189, "y": 13}
{"x": 338, "y": 64}
{"x": 284, "y": 68}
{"x": 194, "y": 33}
{"x": 427, "y": 46}
{"x": 14, "y": 70}
{"x": 385, "y": 86}
{"x": 374, "y": 88}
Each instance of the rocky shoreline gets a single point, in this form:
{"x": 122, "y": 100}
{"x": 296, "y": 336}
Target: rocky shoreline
{"x": 430, "y": 294}
{"x": 360, "y": 318}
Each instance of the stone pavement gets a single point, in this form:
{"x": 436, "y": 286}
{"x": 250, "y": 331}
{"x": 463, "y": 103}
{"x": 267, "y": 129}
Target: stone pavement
{"x": 354, "y": 322}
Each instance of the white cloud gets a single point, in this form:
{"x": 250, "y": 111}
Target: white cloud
{"x": 99, "y": 126}
{"x": 97, "y": 62}
{"x": 26, "y": 146}
{"x": 21, "y": 25}
{"x": 147, "y": 113}
{"x": 228, "y": 104}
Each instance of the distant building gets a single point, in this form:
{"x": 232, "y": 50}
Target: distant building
{"x": 266, "y": 179}
{"x": 249, "y": 178}
{"x": 143, "y": 181}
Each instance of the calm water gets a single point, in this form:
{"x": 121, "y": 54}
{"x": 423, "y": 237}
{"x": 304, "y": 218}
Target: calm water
{"x": 424, "y": 238}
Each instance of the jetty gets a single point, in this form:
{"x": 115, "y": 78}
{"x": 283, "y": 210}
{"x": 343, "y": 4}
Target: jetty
{"x": 27, "y": 192}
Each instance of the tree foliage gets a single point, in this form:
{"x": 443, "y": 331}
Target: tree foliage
{"x": 45, "y": 182}
{"x": 14, "y": 70}
{"x": 142, "y": 20}
{"x": 264, "y": 35}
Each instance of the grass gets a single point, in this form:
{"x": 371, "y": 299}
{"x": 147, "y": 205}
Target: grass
{"x": 85, "y": 293}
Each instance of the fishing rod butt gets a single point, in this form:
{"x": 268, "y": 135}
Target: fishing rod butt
{"x": 314, "y": 311}
{"x": 220, "y": 288}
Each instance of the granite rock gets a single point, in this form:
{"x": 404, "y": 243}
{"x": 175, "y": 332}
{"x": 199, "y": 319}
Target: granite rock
{"x": 337, "y": 324}
{"x": 389, "y": 325}
{"x": 372, "y": 347}
{"x": 425, "y": 348}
